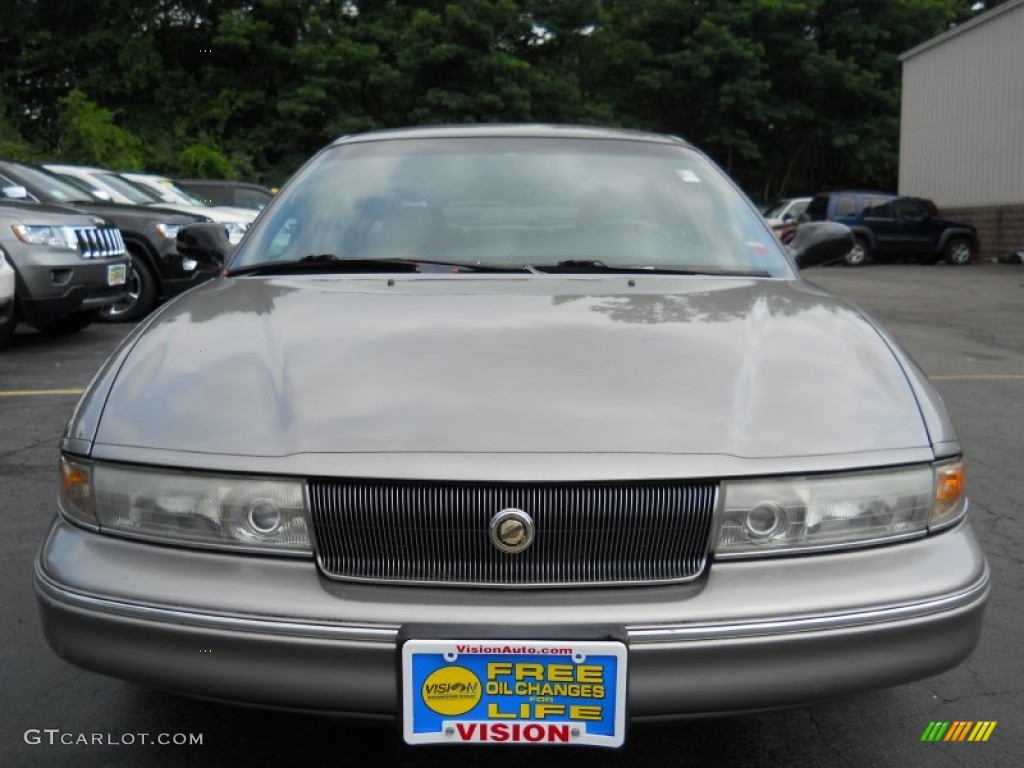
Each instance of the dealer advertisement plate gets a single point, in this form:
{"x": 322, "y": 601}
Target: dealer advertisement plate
{"x": 116, "y": 274}
{"x": 516, "y": 691}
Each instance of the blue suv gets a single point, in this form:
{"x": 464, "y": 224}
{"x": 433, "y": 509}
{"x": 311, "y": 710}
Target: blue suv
{"x": 886, "y": 226}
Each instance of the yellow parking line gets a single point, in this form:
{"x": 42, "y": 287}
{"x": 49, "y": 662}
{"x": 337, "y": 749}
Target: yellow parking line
{"x": 38, "y": 392}
{"x": 977, "y": 377}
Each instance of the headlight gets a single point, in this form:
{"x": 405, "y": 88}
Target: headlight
{"x": 785, "y": 515}
{"x": 251, "y": 513}
{"x": 57, "y": 237}
{"x": 170, "y": 231}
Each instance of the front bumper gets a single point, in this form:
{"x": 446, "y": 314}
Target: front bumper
{"x": 56, "y": 283}
{"x": 271, "y": 632}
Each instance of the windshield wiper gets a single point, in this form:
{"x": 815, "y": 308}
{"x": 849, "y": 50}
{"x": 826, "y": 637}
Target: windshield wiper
{"x": 328, "y": 262}
{"x": 595, "y": 265}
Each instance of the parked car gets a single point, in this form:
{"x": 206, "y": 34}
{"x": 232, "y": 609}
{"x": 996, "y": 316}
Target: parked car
{"x": 240, "y": 194}
{"x": 157, "y": 270}
{"x": 58, "y": 267}
{"x": 516, "y": 414}
{"x": 120, "y": 188}
{"x": 886, "y": 226}
{"x": 787, "y": 210}
{"x": 235, "y": 220}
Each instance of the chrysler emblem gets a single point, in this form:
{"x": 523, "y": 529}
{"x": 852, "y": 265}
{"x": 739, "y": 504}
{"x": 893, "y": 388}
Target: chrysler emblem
{"x": 512, "y": 530}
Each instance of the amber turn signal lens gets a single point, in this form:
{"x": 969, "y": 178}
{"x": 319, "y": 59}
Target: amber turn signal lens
{"x": 75, "y": 497}
{"x": 950, "y": 494}
{"x": 949, "y": 483}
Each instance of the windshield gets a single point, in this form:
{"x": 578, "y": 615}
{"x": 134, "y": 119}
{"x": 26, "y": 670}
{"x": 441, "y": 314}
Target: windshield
{"x": 180, "y": 194}
{"x": 133, "y": 193}
{"x": 516, "y": 202}
{"x": 142, "y": 186}
{"x": 51, "y": 188}
{"x": 776, "y": 210}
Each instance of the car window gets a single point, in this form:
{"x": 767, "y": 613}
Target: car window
{"x": 877, "y": 208}
{"x": 908, "y": 210}
{"x": 515, "y": 202}
{"x": 178, "y": 193}
{"x": 138, "y": 195}
{"x": 51, "y": 187}
{"x": 252, "y": 198}
{"x": 846, "y": 207}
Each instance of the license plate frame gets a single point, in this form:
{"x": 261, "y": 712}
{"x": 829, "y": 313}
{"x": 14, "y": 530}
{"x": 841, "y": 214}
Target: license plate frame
{"x": 473, "y": 691}
{"x": 117, "y": 274}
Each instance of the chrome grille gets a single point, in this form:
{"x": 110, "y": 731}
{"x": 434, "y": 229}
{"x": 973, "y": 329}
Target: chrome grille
{"x": 586, "y": 533}
{"x": 99, "y": 242}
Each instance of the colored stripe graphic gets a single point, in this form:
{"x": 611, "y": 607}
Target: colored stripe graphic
{"x": 958, "y": 730}
{"x": 982, "y": 730}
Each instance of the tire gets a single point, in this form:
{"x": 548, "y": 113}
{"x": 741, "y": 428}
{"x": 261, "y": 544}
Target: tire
{"x": 957, "y": 252}
{"x": 141, "y": 296}
{"x": 857, "y": 255}
{"x": 72, "y": 323}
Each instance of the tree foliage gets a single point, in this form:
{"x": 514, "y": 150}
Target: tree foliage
{"x": 88, "y": 135}
{"x": 789, "y": 95}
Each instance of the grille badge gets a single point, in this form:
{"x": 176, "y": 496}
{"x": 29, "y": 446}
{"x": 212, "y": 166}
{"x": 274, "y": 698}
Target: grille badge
{"x": 512, "y": 530}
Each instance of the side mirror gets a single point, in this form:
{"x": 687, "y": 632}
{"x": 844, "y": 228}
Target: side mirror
{"x": 14, "y": 192}
{"x": 821, "y": 242}
{"x": 205, "y": 244}
{"x": 100, "y": 194}
{"x": 787, "y": 216}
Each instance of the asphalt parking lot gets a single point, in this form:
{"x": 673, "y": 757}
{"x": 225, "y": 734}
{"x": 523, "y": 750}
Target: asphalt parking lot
{"x": 964, "y": 326}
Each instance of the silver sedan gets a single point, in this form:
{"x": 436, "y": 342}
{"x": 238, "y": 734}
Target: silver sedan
{"x": 513, "y": 434}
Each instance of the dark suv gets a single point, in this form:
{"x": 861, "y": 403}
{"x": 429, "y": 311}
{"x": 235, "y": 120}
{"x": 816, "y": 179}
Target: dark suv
{"x": 887, "y": 226}
{"x": 157, "y": 270}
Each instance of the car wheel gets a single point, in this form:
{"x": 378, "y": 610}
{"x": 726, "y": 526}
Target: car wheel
{"x": 141, "y": 294}
{"x": 957, "y": 252}
{"x": 72, "y": 323}
{"x": 858, "y": 254}
{"x": 8, "y": 322}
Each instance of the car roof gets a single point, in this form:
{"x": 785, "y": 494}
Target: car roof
{"x": 71, "y": 167}
{"x": 510, "y": 130}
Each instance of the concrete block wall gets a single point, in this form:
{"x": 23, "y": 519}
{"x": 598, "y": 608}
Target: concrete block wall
{"x": 1000, "y": 228}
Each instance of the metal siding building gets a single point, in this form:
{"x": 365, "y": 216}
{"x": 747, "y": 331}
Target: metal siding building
{"x": 962, "y": 124}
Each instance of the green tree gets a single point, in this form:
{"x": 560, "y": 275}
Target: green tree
{"x": 202, "y": 161}
{"x": 89, "y": 135}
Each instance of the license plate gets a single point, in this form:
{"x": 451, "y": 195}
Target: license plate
{"x": 514, "y": 692}
{"x": 116, "y": 274}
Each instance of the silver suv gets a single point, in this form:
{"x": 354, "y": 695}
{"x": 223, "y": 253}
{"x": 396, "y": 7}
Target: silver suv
{"x": 67, "y": 266}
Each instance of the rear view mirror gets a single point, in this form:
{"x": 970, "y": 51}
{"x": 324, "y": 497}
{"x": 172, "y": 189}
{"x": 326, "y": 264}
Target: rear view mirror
{"x": 821, "y": 242}
{"x": 205, "y": 244}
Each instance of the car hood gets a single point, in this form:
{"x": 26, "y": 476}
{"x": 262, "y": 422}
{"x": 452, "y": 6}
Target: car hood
{"x": 141, "y": 214}
{"x": 270, "y": 367}
{"x": 45, "y": 213}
